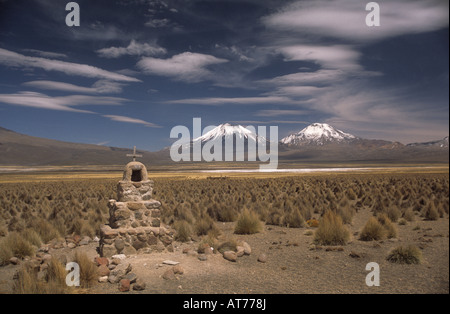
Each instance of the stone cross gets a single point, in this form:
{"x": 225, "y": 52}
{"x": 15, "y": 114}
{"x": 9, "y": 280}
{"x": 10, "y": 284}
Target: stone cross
{"x": 134, "y": 155}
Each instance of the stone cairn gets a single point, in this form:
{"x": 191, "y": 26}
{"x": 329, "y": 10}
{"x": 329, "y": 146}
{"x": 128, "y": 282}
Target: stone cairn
{"x": 134, "y": 223}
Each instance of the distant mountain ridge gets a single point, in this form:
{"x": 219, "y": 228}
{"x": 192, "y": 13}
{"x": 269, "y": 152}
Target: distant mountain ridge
{"x": 322, "y": 133}
{"x": 25, "y": 150}
{"x": 318, "y": 143}
{"x": 321, "y": 142}
{"x": 439, "y": 143}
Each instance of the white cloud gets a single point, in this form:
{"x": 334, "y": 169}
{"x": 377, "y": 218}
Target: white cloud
{"x": 299, "y": 91}
{"x": 233, "y": 52}
{"x": 36, "y": 100}
{"x": 16, "y": 60}
{"x": 187, "y": 66}
{"x": 131, "y": 120}
{"x": 133, "y": 49}
{"x": 107, "y": 87}
{"x": 383, "y": 114}
{"x": 307, "y": 78}
{"x": 64, "y": 103}
{"x": 217, "y": 101}
{"x": 52, "y": 85}
{"x": 319, "y": 77}
{"x": 46, "y": 54}
{"x": 345, "y": 19}
{"x": 334, "y": 57}
{"x": 99, "y": 87}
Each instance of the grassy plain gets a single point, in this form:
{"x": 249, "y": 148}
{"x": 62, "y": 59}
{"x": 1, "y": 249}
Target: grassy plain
{"x": 75, "y": 201}
{"x": 408, "y": 204}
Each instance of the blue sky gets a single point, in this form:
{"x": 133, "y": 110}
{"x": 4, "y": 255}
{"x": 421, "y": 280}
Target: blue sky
{"x": 135, "y": 69}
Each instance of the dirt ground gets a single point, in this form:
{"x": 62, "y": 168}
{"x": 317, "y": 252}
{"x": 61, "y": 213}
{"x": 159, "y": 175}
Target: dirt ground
{"x": 293, "y": 266}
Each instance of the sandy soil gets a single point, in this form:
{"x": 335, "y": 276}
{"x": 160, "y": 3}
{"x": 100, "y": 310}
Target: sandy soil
{"x": 292, "y": 266}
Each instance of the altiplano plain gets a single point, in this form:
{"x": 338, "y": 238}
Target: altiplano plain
{"x": 286, "y": 204}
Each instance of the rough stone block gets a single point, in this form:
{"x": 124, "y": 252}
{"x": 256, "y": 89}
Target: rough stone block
{"x": 108, "y": 250}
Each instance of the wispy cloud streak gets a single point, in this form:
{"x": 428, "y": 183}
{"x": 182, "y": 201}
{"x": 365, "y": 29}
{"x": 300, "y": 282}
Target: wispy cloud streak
{"x": 16, "y": 60}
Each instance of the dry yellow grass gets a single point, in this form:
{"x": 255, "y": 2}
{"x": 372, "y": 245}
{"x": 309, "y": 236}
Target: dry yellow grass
{"x": 27, "y": 281}
{"x": 331, "y": 230}
{"x": 45, "y": 210}
{"x": 372, "y": 231}
{"x": 248, "y": 223}
{"x": 88, "y": 269}
{"x": 405, "y": 255}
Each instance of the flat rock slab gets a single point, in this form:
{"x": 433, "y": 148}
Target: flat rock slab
{"x": 169, "y": 262}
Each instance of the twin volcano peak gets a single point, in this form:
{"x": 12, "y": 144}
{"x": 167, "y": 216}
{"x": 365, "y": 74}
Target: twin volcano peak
{"x": 314, "y": 134}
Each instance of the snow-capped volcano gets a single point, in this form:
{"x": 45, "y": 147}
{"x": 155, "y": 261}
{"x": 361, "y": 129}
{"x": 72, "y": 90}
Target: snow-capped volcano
{"x": 318, "y": 134}
{"x": 227, "y": 130}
